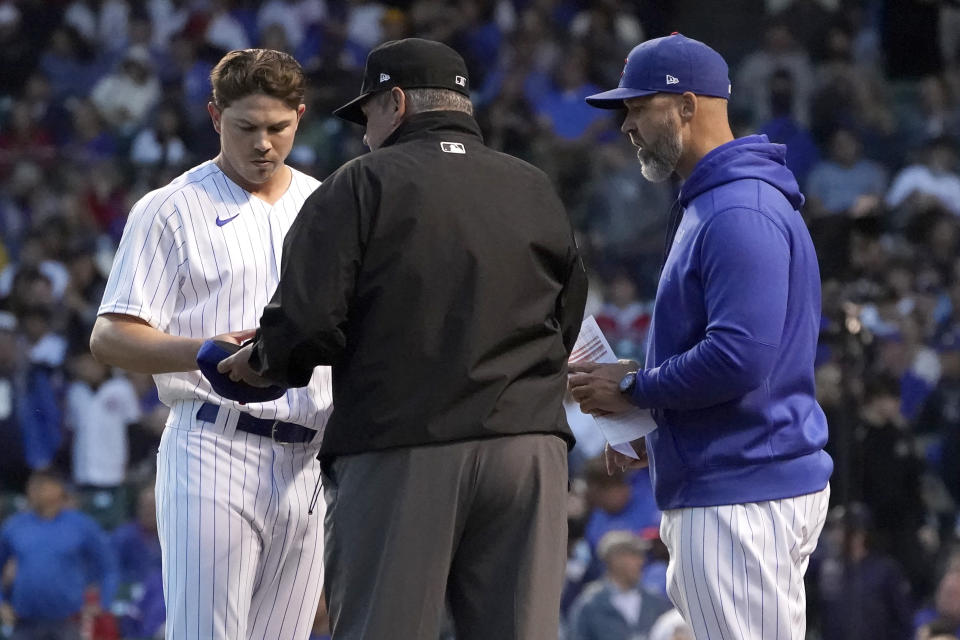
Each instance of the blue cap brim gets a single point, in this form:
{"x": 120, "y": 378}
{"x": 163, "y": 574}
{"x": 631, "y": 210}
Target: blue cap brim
{"x": 210, "y": 355}
{"x": 614, "y": 98}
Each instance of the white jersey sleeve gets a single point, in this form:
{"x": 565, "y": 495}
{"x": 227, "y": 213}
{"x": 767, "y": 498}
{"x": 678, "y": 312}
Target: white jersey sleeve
{"x": 146, "y": 268}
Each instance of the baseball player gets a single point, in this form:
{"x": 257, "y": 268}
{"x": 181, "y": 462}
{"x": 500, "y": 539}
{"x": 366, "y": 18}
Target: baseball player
{"x": 737, "y": 458}
{"x": 200, "y": 258}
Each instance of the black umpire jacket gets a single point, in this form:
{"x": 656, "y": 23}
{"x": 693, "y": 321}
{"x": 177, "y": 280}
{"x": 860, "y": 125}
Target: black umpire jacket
{"x": 441, "y": 281}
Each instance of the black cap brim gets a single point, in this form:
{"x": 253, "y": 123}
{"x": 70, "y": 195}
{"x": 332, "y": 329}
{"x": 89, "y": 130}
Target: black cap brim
{"x": 351, "y": 112}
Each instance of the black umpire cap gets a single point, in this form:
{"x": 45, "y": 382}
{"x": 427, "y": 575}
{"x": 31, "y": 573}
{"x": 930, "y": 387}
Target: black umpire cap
{"x": 411, "y": 63}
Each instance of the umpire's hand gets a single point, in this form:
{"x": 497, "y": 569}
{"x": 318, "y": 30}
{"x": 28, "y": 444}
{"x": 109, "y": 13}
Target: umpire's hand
{"x": 596, "y": 387}
{"x": 237, "y": 366}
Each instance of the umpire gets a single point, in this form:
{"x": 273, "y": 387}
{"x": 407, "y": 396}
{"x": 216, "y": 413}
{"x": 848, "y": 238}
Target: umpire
{"x": 441, "y": 281}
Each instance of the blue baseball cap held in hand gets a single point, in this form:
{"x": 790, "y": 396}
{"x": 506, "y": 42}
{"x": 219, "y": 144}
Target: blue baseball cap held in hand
{"x": 672, "y": 64}
{"x": 210, "y": 354}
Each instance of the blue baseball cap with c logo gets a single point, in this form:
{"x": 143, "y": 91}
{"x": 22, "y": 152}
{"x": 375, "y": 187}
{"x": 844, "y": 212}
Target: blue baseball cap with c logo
{"x": 672, "y": 64}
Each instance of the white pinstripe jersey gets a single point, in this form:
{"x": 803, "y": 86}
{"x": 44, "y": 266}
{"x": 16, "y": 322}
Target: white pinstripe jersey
{"x": 200, "y": 257}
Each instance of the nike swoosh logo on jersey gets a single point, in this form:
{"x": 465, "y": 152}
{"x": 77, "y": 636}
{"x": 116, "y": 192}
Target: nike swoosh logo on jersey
{"x": 221, "y": 222}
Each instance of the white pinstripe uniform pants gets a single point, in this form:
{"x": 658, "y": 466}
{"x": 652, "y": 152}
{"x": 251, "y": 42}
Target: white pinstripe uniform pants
{"x": 736, "y": 571}
{"x": 241, "y": 557}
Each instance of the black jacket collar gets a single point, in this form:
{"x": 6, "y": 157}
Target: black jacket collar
{"x": 434, "y": 122}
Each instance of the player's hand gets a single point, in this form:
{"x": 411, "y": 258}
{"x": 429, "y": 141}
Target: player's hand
{"x": 236, "y": 337}
{"x": 617, "y": 461}
{"x": 237, "y": 368}
{"x": 596, "y": 387}
{"x": 7, "y": 615}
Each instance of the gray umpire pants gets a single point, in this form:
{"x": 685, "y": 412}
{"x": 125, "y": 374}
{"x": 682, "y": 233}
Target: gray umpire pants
{"x": 482, "y": 523}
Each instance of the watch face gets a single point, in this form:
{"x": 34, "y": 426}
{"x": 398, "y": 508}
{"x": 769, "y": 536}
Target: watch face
{"x": 627, "y": 382}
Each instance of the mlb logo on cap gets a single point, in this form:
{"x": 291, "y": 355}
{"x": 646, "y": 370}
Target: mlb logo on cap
{"x": 672, "y": 64}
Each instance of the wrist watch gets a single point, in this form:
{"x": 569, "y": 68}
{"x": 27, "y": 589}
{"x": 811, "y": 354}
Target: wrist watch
{"x": 628, "y": 383}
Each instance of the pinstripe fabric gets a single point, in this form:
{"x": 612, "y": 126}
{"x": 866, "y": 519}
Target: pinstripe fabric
{"x": 201, "y": 257}
{"x": 736, "y": 571}
{"x": 241, "y": 556}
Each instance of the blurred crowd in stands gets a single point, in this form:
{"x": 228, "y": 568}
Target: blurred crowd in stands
{"x": 104, "y": 100}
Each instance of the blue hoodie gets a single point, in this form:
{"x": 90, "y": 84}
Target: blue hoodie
{"x": 729, "y": 370}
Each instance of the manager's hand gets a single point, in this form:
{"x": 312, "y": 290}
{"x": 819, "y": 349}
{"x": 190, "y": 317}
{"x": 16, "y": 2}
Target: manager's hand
{"x": 596, "y": 387}
{"x": 617, "y": 461}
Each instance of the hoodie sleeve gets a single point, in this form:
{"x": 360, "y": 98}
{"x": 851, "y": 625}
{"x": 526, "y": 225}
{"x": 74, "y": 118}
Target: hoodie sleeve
{"x": 744, "y": 270}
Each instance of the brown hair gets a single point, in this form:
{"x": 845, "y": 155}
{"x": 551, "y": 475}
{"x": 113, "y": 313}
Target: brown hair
{"x": 246, "y": 72}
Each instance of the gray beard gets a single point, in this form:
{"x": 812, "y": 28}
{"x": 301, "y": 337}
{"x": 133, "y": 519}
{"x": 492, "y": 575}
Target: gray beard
{"x": 659, "y": 163}
{"x": 654, "y": 168}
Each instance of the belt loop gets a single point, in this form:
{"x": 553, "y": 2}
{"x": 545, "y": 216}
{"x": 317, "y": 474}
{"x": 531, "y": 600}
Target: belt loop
{"x": 227, "y": 421}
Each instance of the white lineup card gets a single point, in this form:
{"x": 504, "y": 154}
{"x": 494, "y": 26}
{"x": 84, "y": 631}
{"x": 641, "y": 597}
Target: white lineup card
{"x": 621, "y": 429}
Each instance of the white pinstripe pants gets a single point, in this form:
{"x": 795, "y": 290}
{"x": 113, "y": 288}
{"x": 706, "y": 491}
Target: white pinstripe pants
{"x": 241, "y": 557}
{"x": 736, "y": 571}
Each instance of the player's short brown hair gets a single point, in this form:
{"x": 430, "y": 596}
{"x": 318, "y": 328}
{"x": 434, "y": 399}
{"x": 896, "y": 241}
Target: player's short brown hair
{"x": 246, "y": 72}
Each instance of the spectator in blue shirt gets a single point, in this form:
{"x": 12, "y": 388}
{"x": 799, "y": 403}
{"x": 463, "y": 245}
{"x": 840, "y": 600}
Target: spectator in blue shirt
{"x": 136, "y": 543}
{"x": 39, "y": 390}
{"x": 146, "y": 615}
{"x": 784, "y": 128}
{"x": 58, "y": 551}
{"x": 617, "y": 607}
{"x": 619, "y": 501}
{"x": 562, "y": 108}
{"x": 140, "y": 596}
{"x": 70, "y": 63}
{"x": 845, "y": 183}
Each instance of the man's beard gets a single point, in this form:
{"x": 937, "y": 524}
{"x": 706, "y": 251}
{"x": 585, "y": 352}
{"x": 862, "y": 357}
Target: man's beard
{"x": 659, "y": 161}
